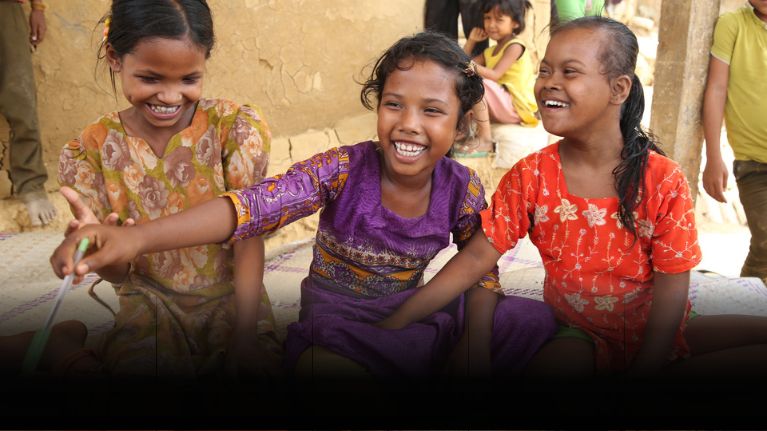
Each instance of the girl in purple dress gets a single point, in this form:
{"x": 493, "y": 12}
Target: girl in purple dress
{"x": 387, "y": 208}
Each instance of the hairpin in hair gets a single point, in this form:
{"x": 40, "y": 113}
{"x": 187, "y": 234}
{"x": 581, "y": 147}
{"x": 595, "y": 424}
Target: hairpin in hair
{"x": 107, "y": 23}
{"x": 471, "y": 69}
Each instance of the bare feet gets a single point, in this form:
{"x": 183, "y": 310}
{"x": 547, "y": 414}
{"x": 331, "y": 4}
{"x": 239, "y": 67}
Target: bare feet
{"x": 66, "y": 339}
{"x": 41, "y": 210}
{"x": 475, "y": 145}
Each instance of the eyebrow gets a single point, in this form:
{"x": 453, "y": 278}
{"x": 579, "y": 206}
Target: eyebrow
{"x": 429, "y": 100}
{"x": 569, "y": 60}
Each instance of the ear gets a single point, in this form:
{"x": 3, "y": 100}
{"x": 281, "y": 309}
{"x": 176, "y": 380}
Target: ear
{"x": 464, "y": 124}
{"x": 620, "y": 88}
{"x": 113, "y": 59}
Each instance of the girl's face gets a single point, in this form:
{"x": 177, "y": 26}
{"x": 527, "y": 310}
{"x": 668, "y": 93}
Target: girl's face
{"x": 760, "y": 8}
{"x": 162, "y": 79}
{"x": 499, "y": 26}
{"x": 417, "y": 117}
{"x": 573, "y": 93}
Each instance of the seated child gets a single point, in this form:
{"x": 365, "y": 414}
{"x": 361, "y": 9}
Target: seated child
{"x": 388, "y": 208}
{"x": 614, "y": 222}
{"x": 171, "y": 150}
{"x": 507, "y": 72}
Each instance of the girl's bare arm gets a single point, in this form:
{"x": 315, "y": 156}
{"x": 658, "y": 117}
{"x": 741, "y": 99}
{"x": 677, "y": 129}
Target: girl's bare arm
{"x": 666, "y": 313}
{"x": 459, "y": 274}
{"x": 210, "y": 222}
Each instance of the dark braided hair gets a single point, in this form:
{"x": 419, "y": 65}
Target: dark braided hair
{"x": 135, "y": 20}
{"x": 431, "y": 46}
{"x": 618, "y": 55}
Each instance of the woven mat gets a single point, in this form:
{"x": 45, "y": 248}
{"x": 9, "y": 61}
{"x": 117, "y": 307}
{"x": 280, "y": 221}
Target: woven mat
{"x": 28, "y": 286}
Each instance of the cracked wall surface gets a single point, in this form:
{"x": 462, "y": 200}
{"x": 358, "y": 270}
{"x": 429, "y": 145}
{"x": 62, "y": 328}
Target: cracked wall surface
{"x": 296, "y": 59}
{"x": 299, "y": 60}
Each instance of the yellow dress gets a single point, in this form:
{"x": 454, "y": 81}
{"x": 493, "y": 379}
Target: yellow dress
{"x": 519, "y": 80}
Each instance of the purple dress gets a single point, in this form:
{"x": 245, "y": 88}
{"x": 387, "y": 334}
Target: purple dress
{"x": 367, "y": 261}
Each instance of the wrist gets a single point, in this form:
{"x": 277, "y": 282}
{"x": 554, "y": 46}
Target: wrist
{"x": 38, "y": 5}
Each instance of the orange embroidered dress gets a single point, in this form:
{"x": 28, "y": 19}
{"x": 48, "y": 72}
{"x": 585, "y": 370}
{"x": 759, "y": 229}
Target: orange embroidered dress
{"x": 598, "y": 278}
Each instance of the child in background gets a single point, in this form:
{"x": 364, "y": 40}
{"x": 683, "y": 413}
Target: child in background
{"x": 736, "y": 90}
{"x": 614, "y": 222}
{"x": 507, "y": 72}
{"x": 568, "y": 10}
{"x": 183, "y": 312}
{"x": 388, "y": 208}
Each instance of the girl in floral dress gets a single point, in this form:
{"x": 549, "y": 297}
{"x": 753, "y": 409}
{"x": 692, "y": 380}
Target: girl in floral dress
{"x": 388, "y": 208}
{"x": 180, "y": 313}
{"x": 614, "y": 222}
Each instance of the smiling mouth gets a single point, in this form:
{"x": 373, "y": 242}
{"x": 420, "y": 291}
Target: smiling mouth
{"x": 407, "y": 149}
{"x": 555, "y": 104}
{"x": 163, "y": 110}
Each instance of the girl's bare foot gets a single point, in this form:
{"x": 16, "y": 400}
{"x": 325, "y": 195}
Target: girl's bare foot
{"x": 41, "y": 210}
{"x": 66, "y": 339}
{"x": 475, "y": 145}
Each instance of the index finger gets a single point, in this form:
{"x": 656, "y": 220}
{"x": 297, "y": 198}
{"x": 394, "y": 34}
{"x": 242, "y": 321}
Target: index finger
{"x": 62, "y": 259}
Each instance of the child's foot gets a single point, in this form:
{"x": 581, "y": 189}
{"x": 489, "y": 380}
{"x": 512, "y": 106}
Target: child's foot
{"x": 66, "y": 339}
{"x": 41, "y": 210}
{"x": 474, "y": 147}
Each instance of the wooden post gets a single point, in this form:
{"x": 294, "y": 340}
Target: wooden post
{"x": 684, "y": 41}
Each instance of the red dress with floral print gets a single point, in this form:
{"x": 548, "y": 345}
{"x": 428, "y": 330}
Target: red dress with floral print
{"x": 598, "y": 277}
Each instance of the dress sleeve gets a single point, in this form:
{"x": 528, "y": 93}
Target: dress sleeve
{"x": 507, "y": 221}
{"x": 675, "y": 246}
{"x": 80, "y": 168}
{"x": 469, "y": 222}
{"x": 245, "y": 148}
{"x": 725, "y": 34}
{"x": 301, "y": 191}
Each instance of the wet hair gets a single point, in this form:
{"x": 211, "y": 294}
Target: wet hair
{"x": 132, "y": 21}
{"x": 424, "y": 46}
{"x": 516, "y": 9}
{"x": 618, "y": 56}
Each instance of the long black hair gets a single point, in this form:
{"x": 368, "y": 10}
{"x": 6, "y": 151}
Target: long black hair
{"x": 618, "y": 55}
{"x": 431, "y": 46}
{"x": 130, "y": 21}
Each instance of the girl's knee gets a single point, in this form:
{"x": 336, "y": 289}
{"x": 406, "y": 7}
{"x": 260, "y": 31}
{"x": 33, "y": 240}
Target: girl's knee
{"x": 527, "y": 313}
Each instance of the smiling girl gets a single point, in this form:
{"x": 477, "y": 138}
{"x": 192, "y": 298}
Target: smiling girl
{"x": 170, "y": 150}
{"x": 388, "y": 207}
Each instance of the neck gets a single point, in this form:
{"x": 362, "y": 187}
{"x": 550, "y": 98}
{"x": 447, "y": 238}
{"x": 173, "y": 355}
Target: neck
{"x": 596, "y": 151}
{"x": 503, "y": 40}
{"x": 405, "y": 183}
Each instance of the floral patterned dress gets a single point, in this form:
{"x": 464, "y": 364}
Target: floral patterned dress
{"x": 598, "y": 277}
{"x": 176, "y": 307}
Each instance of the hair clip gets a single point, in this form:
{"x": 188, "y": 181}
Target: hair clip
{"x": 107, "y": 23}
{"x": 471, "y": 69}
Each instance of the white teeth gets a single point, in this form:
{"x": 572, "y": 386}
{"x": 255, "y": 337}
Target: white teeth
{"x": 409, "y": 150}
{"x": 164, "y": 109}
{"x": 555, "y": 104}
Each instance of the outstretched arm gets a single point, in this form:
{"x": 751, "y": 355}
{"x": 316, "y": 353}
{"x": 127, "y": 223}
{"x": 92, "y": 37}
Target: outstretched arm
{"x": 459, "y": 274}
{"x": 666, "y": 313}
{"x": 510, "y": 56}
{"x": 210, "y": 222}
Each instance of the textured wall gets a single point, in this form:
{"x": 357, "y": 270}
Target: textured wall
{"x": 297, "y": 59}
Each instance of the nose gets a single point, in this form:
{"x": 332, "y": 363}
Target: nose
{"x": 170, "y": 95}
{"x": 409, "y": 121}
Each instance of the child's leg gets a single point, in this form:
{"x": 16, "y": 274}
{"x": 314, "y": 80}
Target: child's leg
{"x": 483, "y": 140}
{"x": 319, "y": 362}
{"x": 61, "y": 352}
{"x": 564, "y": 357}
{"x": 521, "y": 326}
{"x": 752, "y": 187}
{"x": 725, "y": 345}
